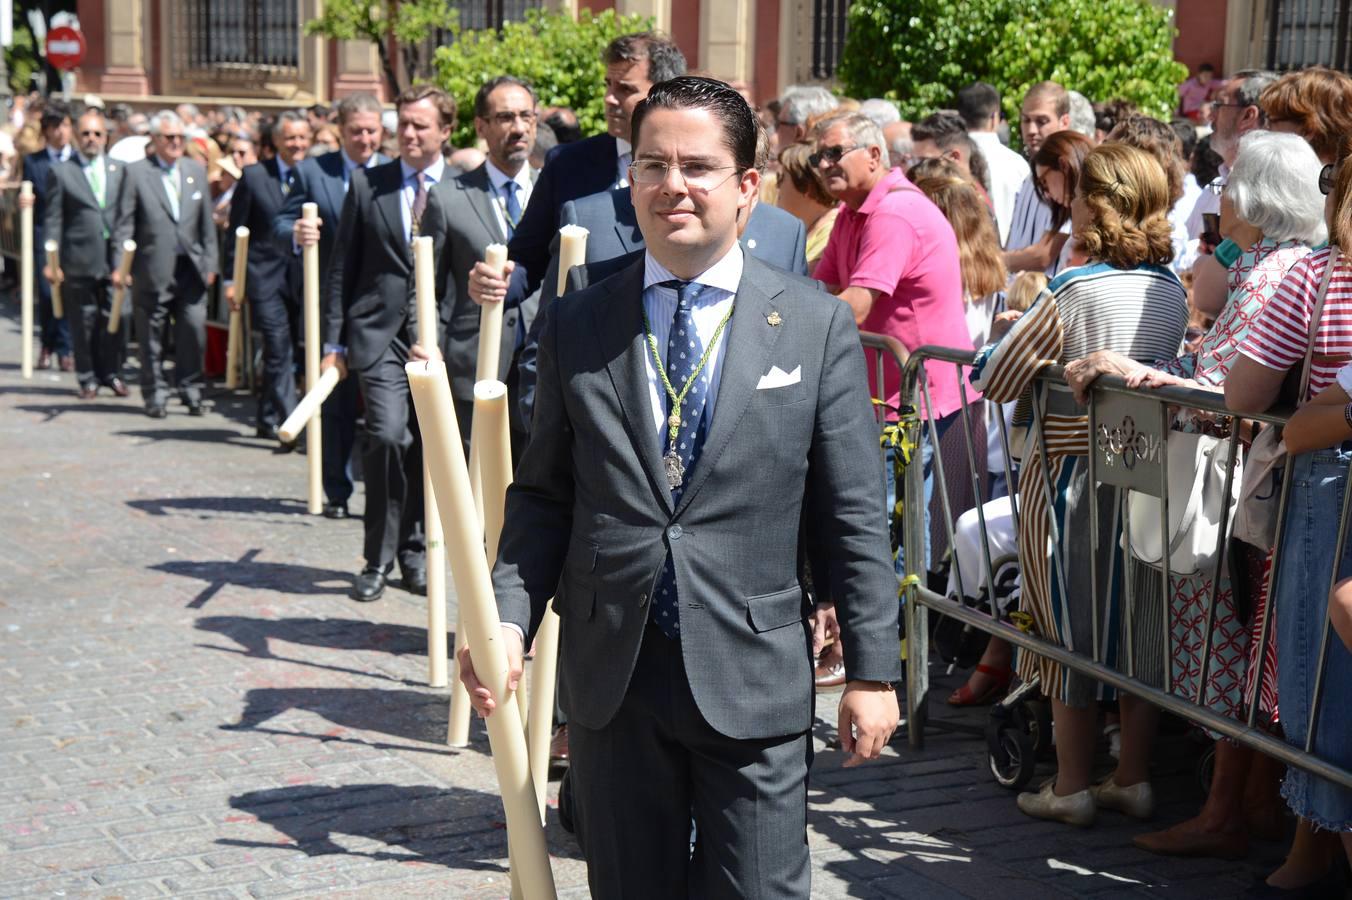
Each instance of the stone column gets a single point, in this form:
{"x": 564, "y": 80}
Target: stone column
{"x": 356, "y": 68}
{"x": 124, "y": 37}
{"x": 727, "y": 39}
{"x": 660, "y": 10}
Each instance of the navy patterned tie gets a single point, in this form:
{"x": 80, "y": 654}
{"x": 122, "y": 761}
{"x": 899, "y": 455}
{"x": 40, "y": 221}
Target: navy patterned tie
{"x": 684, "y": 350}
{"x": 513, "y": 207}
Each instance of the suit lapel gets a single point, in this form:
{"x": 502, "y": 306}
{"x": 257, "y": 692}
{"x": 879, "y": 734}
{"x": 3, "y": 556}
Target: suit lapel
{"x": 619, "y": 323}
{"x": 275, "y": 179}
{"x": 389, "y": 202}
{"x": 480, "y": 196}
{"x": 750, "y": 339}
{"x": 156, "y": 176}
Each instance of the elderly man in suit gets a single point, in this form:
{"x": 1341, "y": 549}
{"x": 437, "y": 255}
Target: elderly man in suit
{"x": 467, "y": 213}
{"x": 634, "y": 63}
{"x": 56, "y": 128}
{"x": 368, "y": 330}
{"x": 81, "y": 204}
{"x": 324, "y": 181}
{"x": 273, "y": 270}
{"x": 695, "y": 411}
{"x": 166, "y": 208}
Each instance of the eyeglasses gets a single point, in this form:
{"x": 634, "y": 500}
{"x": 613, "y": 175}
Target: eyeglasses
{"x": 172, "y": 138}
{"x": 92, "y": 134}
{"x": 1326, "y": 176}
{"x": 697, "y": 175}
{"x": 507, "y": 118}
{"x": 831, "y": 155}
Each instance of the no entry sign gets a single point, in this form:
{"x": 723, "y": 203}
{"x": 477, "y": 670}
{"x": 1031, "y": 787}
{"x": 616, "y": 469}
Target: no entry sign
{"x": 65, "y": 47}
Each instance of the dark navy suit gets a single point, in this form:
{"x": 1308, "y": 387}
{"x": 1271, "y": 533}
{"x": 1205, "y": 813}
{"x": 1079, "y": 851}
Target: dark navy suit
{"x": 55, "y": 332}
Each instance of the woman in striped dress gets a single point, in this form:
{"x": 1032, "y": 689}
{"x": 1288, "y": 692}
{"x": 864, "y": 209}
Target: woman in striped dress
{"x": 1125, "y": 300}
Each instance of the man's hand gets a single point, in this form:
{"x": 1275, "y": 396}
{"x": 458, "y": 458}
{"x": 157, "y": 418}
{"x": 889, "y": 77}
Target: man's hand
{"x": 27, "y": 202}
{"x": 868, "y": 716}
{"x": 480, "y": 697}
{"x": 334, "y": 361}
{"x": 486, "y": 286}
{"x": 53, "y": 277}
{"x": 211, "y": 278}
{"x": 235, "y": 305}
{"x": 423, "y": 354}
{"x": 119, "y": 281}
{"x": 306, "y": 231}
{"x": 826, "y": 632}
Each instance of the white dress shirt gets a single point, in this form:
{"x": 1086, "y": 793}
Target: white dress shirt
{"x": 498, "y": 178}
{"x": 720, "y": 287}
{"x": 432, "y": 174}
{"x": 1009, "y": 170}
{"x": 624, "y": 155}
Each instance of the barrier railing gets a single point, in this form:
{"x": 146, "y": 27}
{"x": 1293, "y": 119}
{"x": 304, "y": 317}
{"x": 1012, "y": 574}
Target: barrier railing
{"x": 1151, "y": 413}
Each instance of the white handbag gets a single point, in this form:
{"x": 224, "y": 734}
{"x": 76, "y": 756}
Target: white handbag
{"x": 1198, "y": 465}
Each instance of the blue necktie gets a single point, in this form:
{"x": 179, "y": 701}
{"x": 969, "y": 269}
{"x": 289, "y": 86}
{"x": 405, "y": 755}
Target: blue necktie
{"x": 513, "y": 207}
{"x": 684, "y": 350}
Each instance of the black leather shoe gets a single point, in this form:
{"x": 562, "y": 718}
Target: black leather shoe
{"x": 335, "y": 510}
{"x": 195, "y": 408}
{"x": 119, "y": 387}
{"x": 157, "y": 411}
{"x": 370, "y": 586}
{"x": 415, "y": 580}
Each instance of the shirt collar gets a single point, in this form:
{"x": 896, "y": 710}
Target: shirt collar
{"x": 623, "y": 148}
{"x": 166, "y": 166}
{"x": 283, "y": 169}
{"x": 91, "y": 161}
{"x": 726, "y": 274}
{"x": 498, "y": 178}
{"x": 60, "y": 155}
{"x": 433, "y": 172}
{"x": 349, "y": 165}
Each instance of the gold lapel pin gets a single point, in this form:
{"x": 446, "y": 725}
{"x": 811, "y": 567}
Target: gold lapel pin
{"x": 774, "y": 319}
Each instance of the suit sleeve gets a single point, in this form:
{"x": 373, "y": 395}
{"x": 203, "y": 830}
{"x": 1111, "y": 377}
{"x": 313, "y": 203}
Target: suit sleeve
{"x": 800, "y": 251}
{"x": 241, "y": 206}
{"x": 206, "y": 227}
{"x": 844, "y": 484}
{"x": 53, "y": 219}
{"x": 539, "y": 511}
{"x": 344, "y": 253}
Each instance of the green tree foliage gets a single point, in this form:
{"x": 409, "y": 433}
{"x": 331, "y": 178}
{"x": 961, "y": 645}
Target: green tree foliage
{"x": 410, "y": 23}
{"x": 21, "y": 57}
{"x": 559, "y": 57}
{"x": 920, "y": 52}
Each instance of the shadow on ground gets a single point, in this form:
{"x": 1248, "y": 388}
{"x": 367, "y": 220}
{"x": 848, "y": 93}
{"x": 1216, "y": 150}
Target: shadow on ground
{"x": 255, "y": 636}
{"x": 260, "y": 505}
{"x": 406, "y": 714}
{"x": 285, "y": 578}
{"x": 453, "y": 827}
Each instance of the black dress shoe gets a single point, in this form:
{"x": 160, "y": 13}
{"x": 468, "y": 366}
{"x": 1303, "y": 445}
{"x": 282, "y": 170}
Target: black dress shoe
{"x": 415, "y": 580}
{"x": 335, "y": 510}
{"x": 370, "y": 586}
{"x": 266, "y": 432}
{"x": 195, "y": 408}
{"x": 157, "y": 411}
{"x": 89, "y": 391}
{"x": 119, "y": 387}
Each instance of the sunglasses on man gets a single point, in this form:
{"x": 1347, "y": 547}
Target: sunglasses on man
{"x": 831, "y": 155}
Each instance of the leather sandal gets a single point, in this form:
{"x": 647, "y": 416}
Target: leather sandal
{"x": 965, "y": 696}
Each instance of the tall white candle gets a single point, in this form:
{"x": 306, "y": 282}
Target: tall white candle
{"x": 314, "y": 433}
{"x": 120, "y": 290}
{"x": 26, "y": 281}
{"x": 54, "y": 264}
{"x": 424, "y": 274}
{"x": 490, "y": 321}
{"x": 572, "y": 252}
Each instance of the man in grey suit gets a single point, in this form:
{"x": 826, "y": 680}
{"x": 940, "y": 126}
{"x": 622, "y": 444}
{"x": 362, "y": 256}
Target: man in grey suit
{"x": 82, "y": 198}
{"x": 660, "y": 501}
{"x": 166, "y": 208}
{"x": 467, "y": 213}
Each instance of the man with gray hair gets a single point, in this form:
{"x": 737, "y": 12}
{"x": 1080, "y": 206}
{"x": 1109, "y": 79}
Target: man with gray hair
{"x": 1237, "y": 113}
{"x": 798, "y": 104}
{"x": 881, "y": 112}
{"x": 273, "y": 282}
{"x": 1082, "y": 117}
{"x": 166, "y": 208}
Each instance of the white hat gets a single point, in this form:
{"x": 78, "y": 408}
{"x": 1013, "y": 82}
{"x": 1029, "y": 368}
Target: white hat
{"x": 93, "y": 100}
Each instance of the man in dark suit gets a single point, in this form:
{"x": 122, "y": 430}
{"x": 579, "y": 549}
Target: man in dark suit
{"x": 634, "y": 63}
{"x": 467, "y": 213}
{"x": 323, "y": 181}
{"x": 56, "y": 131}
{"x": 367, "y": 328}
{"x": 166, "y": 208}
{"x": 273, "y": 275}
{"x": 81, "y": 206}
{"x": 660, "y": 501}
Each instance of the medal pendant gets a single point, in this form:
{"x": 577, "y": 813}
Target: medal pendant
{"x": 675, "y": 469}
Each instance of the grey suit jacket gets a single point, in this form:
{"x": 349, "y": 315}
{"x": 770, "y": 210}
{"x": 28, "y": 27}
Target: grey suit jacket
{"x": 76, "y": 222}
{"x": 462, "y": 222}
{"x": 590, "y": 517}
{"x": 144, "y": 215}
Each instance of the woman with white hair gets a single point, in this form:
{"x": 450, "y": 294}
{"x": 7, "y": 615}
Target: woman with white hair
{"x": 1273, "y": 209}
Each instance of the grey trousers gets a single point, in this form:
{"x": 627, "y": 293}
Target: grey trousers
{"x": 638, "y": 781}
{"x": 392, "y": 465}
{"x": 98, "y": 355}
{"x": 185, "y": 300}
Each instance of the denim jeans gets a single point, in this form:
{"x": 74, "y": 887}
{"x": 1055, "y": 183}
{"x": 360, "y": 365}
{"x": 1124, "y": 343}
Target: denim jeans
{"x": 1300, "y": 598}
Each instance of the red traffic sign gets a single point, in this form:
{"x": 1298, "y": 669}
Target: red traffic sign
{"x": 65, "y": 47}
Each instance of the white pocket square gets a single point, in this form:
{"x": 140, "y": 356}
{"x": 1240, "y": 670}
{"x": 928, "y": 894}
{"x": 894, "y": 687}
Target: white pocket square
{"x": 197, "y": 195}
{"x": 778, "y": 378}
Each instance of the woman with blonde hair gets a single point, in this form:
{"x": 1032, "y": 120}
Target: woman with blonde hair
{"x": 1125, "y": 300}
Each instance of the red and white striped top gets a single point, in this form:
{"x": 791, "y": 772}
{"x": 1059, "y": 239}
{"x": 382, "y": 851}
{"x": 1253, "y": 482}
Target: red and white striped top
{"x": 1280, "y": 336}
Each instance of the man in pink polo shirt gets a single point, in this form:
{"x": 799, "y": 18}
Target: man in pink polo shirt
{"x": 893, "y": 258}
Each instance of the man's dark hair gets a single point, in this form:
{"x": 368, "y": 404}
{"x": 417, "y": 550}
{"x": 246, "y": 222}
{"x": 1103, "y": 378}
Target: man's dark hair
{"x": 357, "y": 103}
{"x": 1206, "y": 67}
{"x": 740, "y": 127}
{"x": 563, "y": 121}
{"x": 443, "y": 101}
{"x": 1205, "y": 163}
{"x": 946, "y": 129}
{"x": 53, "y": 114}
{"x": 319, "y": 110}
{"x": 1110, "y": 113}
{"x": 119, "y": 112}
{"x": 488, "y": 87}
{"x": 665, "y": 59}
{"x": 977, "y": 103}
{"x": 1187, "y": 136}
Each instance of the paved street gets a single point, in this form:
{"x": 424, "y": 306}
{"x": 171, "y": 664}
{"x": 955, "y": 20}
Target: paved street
{"x": 192, "y": 706}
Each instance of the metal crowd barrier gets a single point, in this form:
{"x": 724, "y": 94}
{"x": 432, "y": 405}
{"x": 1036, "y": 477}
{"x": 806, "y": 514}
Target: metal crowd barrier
{"x": 1152, "y": 411}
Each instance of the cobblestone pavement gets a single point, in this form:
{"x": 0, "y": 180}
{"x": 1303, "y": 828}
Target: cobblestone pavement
{"x": 191, "y": 705}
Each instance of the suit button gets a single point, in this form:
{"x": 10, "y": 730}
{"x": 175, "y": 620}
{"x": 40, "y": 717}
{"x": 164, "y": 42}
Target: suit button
{"x": 675, "y": 532}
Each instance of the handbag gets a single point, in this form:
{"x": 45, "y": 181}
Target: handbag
{"x": 1198, "y": 466}
{"x": 1265, "y": 465}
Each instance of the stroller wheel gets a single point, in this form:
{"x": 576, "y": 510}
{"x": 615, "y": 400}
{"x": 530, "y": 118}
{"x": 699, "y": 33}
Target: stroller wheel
{"x": 1011, "y": 745}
